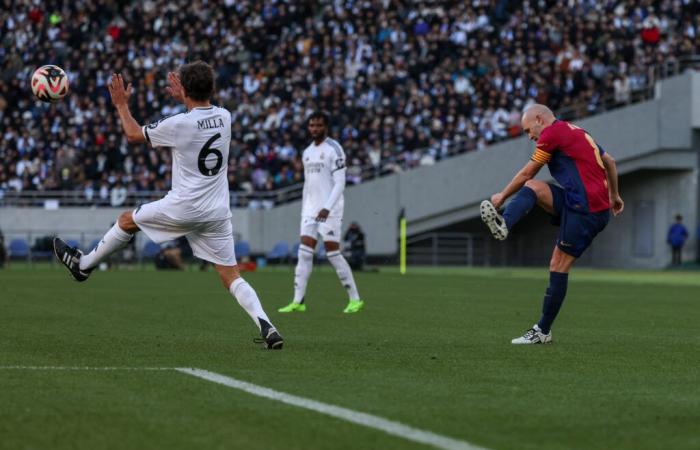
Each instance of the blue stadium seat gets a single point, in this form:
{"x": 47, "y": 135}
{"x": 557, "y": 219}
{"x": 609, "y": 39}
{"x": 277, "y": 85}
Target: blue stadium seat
{"x": 150, "y": 249}
{"x": 279, "y": 251}
{"x": 19, "y": 248}
{"x": 242, "y": 248}
{"x": 295, "y": 249}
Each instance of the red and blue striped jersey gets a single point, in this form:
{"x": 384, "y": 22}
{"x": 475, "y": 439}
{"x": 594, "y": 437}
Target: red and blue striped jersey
{"x": 575, "y": 161}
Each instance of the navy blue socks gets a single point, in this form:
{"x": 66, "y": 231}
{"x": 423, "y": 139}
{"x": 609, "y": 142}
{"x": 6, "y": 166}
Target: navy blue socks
{"x": 517, "y": 208}
{"x": 553, "y": 299}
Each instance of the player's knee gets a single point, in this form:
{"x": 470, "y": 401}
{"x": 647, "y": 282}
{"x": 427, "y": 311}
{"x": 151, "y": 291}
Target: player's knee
{"x": 535, "y": 185}
{"x": 331, "y": 246}
{"x": 126, "y": 222}
{"x": 309, "y": 242}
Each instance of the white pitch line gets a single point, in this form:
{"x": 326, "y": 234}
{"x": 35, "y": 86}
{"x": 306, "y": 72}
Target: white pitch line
{"x": 367, "y": 420}
{"x": 81, "y": 368}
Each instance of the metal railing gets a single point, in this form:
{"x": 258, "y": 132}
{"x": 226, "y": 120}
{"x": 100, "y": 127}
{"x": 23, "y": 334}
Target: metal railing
{"x": 54, "y": 199}
{"x": 446, "y": 248}
{"x": 268, "y": 199}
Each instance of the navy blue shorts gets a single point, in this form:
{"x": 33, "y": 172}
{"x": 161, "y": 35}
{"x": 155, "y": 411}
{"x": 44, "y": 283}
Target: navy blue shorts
{"x": 576, "y": 229}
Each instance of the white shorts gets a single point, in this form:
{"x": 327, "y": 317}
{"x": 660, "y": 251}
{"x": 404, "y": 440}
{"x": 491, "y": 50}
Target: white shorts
{"x": 210, "y": 241}
{"x": 329, "y": 230}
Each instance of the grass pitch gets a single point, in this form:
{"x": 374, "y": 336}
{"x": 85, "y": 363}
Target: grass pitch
{"x": 431, "y": 350}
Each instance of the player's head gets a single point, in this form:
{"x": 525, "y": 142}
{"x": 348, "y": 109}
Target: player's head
{"x": 535, "y": 119}
{"x": 317, "y": 123}
{"x": 679, "y": 218}
{"x": 197, "y": 80}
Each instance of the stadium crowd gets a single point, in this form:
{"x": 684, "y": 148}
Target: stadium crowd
{"x": 406, "y": 82}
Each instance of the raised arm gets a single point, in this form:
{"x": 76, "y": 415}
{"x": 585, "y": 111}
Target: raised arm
{"x": 120, "y": 99}
{"x": 616, "y": 203}
{"x": 528, "y": 172}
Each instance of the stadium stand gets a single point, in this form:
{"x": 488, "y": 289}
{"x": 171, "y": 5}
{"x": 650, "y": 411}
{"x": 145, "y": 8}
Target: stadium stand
{"x": 407, "y": 82}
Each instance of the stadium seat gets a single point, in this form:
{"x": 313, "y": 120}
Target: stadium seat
{"x": 242, "y": 249}
{"x": 42, "y": 249}
{"x": 294, "y": 254}
{"x": 19, "y": 248}
{"x": 280, "y": 252}
{"x": 150, "y": 249}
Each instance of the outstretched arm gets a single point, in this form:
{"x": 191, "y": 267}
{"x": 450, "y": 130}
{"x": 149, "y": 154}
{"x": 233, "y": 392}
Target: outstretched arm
{"x": 616, "y": 202}
{"x": 120, "y": 99}
{"x": 528, "y": 172}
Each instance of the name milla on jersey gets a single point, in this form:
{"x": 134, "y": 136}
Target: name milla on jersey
{"x": 206, "y": 124}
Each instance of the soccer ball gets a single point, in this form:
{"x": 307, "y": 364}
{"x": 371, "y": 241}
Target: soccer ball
{"x": 49, "y": 83}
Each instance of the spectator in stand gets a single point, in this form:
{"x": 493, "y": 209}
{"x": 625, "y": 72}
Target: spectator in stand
{"x": 450, "y": 70}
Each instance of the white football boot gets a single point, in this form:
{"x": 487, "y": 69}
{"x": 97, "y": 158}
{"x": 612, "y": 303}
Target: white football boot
{"x": 493, "y": 220}
{"x": 533, "y": 336}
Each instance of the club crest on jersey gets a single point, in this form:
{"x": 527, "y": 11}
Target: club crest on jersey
{"x": 323, "y": 155}
{"x": 206, "y": 124}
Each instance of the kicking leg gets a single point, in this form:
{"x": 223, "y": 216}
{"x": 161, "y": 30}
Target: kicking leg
{"x": 342, "y": 269}
{"x": 302, "y": 272}
{"x": 80, "y": 265}
{"x": 534, "y": 192}
{"x": 249, "y": 301}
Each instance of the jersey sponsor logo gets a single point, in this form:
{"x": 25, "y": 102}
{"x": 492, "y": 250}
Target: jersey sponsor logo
{"x": 313, "y": 167}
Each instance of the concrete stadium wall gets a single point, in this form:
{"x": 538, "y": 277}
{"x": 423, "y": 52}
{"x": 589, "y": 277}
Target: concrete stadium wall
{"x": 653, "y": 138}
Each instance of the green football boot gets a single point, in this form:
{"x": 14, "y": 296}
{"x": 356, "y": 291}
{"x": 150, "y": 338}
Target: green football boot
{"x": 293, "y": 307}
{"x": 354, "y": 306}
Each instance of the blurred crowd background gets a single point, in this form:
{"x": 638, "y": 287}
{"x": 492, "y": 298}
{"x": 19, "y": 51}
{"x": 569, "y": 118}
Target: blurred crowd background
{"x": 407, "y": 83}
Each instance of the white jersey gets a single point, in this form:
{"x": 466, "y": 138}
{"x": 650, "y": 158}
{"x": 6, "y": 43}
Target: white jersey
{"x": 321, "y": 162}
{"x": 200, "y": 141}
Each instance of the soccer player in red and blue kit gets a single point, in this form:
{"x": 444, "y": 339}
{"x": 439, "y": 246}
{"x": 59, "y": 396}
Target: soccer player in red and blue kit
{"x": 581, "y": 205}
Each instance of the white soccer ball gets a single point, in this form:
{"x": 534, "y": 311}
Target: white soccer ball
{"x": 49, "y": 83}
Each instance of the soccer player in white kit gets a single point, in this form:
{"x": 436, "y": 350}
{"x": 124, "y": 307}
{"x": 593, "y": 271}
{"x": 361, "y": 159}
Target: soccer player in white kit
{"x": 197, "y": 206}
{"x": 322, "y": 214}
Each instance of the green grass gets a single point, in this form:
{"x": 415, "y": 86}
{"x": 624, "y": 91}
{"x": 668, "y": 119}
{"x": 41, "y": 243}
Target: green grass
{"x": 430, "y": 350}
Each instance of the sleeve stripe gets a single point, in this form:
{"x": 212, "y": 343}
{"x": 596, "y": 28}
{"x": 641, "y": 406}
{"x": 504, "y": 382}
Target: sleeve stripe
{"x": 541, "y": 156}
{"x": 336, "y": 147}
{"x": 145, "y": 133}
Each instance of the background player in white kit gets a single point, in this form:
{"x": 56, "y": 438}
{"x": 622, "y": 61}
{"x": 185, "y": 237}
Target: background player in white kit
{"x": 197, "y": 206}
{"x": 322, "y": 213}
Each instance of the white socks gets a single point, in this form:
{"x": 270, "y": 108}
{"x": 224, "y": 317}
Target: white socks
{"x": 248, "y": 299}
{"x": 302, "y": 272}
{"x": 115, "y": 239}
{"x": 342, "y": 268}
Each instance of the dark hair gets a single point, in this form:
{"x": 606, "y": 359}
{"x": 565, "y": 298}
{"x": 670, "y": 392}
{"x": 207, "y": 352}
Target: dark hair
{"x": 319, "y": 115}
{"x": 197, "y": 80}
{"x": 679, "y": 217}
